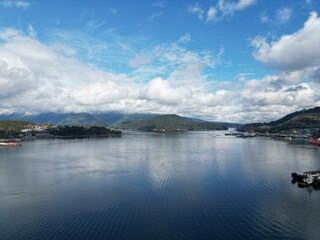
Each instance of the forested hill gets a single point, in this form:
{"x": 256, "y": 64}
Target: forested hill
{"x": 172, "y": 122}
{"x": 13, "y": 125}
{"x": 11, "y": 128}
{"x": 305, "y": 119}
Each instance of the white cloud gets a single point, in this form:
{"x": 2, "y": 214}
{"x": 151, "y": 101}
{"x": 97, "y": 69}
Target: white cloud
{"x": 242, "y": 4}
{"x": 98, "y": 93}
{"x": 140, "y": 60}
{"x": 185, "y": 38}
{"x": 54, "y": 80}
{"x": 37, "y": 77}
{"x": 283, "y": 15}
{"x": 155, "y": 15}
{"x": 243, "y": 76}
{"x": 158, "y": 5}
{"x": 196, "y": 9}
{"x": 226, "y": 9}
{"x": 174, "y": 60}
{"x": 167, "y": 78}
{"x": 272, "y": 97}
{"x": 219, "y": 98}
{"x": 296, "y": 52}
{"x": 175, "y": 55}
{"x": 264, "y": 18}
{"x": 15, "y": 77}
{"x": 15, "y": 4}
{"x": 31, "y": 32}
{"x": 9, "y": 33}
{"x": 212, "y": 14}
{"x": 161, "y": 91}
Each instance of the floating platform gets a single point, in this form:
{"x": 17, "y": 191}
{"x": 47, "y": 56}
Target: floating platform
{"x": 307, "y": 179}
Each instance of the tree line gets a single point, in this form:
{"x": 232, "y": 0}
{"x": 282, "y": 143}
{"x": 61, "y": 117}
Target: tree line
{"x": 81, "y": 131}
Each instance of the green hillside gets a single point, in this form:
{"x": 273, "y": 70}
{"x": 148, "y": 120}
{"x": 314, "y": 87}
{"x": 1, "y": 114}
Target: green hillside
{"x": 12, "y": 128}
{"x": 305, "y": 119}
{"x": 171, "y": 122}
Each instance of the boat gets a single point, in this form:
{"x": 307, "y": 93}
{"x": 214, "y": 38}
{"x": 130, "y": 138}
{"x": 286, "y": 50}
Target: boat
{"x": 315, "y": 141}
{"x": 156, "y": 130}
{"x": 246, "y": 135}
{"x": 10, "y": 142}
{"x": 307, "y": 179}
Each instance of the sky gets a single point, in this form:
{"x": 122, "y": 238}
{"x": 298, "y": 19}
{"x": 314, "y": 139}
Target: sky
{"x": 218, "y": 60}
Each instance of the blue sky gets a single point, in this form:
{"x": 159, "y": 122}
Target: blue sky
{"x": 220, "y": 60}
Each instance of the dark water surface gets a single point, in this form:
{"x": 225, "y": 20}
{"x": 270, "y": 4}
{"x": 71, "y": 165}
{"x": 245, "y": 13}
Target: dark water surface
{"x": 154, "y": 186}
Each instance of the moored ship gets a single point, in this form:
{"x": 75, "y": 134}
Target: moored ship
{"x": 10, "y": 142}
{"x": 315, "y": 141}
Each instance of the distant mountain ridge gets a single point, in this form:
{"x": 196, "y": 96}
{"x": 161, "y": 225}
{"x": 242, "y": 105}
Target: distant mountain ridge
{"x": 304, "y": 119}
{"x": 140, "y": 121}
{"x": 172, "y": 122}
{"x": 87, "y": 119}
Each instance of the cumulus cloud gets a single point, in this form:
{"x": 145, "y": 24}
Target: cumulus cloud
{"x": 272, "y": 97}
{"x": 218, "y": 98}
{"x": 161, "y": 91}
{"x": 297, "y": 54}
{"x": 15, "y": 77}
{"x": 9, "y": 33}
{"x": 166, "y": 78}
{"x": 98, "y": 93}
{"x": 15, "y": 4}
{"x": 38, "y": 77}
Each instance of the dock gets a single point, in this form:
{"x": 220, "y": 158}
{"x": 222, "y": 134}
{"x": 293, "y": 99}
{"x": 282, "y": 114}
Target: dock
{"x": 307, "y": 179}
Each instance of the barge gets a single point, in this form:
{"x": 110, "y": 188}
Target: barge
{"x": 307, "y": 179}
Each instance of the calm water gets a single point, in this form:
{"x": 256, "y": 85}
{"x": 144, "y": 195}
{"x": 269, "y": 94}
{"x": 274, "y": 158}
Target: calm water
{"x": 153, "y": 186}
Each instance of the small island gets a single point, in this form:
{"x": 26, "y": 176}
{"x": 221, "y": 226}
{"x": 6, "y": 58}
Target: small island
{"x": 15, "y": 129}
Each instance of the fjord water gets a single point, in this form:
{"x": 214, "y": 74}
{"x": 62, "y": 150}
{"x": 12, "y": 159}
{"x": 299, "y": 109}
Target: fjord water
{"x": 157, "y": 186}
